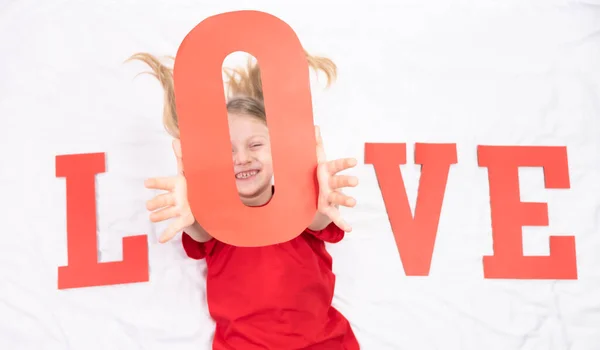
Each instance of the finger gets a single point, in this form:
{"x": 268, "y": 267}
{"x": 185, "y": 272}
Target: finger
{"x": 163, "y": 214}
{"x": 335, "y": 216}
{"x": 321, "y": 157}
{"x": 338, "y": 198}
{"x": 161, "y": 201}
{"x": 177, "y": 148}
{"x": 180, "y": 166}
{"x": 177, "y": 151}
{"x": 171, "y": 230}
{"x": 318, "y": 135}
{"x": 337, "y": 165}
{"x": 160, "y": 183}
{"x": 340, "y": 181}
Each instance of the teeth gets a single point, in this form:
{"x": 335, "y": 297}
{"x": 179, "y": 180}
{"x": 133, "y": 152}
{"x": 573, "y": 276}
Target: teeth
{"x": 245, "y": 174}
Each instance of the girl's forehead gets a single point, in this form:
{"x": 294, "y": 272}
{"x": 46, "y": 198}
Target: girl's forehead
{"x": 246, "y": 122}
{"x": 247, "y": 127}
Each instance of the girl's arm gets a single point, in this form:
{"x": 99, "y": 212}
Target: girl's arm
{"x": 319, "y": 222}
{"x": 197, "y": 233}
{"x": 325, "y": 229}
{"x": 197, "y": 243}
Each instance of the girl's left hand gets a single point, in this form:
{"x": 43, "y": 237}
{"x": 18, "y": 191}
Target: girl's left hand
{"x": 330, "y": 184}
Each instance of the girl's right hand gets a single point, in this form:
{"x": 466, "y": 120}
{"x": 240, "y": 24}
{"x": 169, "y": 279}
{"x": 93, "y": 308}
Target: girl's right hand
{"x": 174, "y": 203}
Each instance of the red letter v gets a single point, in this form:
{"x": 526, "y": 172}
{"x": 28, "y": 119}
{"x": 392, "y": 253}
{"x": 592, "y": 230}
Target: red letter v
{"x": 415, "y": 237}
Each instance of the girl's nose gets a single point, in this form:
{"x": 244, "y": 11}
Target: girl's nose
{"x": 241, "y": 157}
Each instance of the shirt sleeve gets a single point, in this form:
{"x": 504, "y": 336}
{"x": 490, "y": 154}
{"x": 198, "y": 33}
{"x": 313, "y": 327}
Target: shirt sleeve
{"x": 196, "y": 250}
{"x": 331, "y": 233}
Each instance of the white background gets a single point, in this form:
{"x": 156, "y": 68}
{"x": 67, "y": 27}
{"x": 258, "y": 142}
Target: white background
{"x": 466, "y": 72}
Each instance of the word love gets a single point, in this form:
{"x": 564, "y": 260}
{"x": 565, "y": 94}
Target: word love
{"x": 415, "y": 236}
{"x": 213, "y": 195}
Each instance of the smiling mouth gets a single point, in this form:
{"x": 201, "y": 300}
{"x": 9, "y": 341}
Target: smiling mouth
{"x": 246, "y": 175}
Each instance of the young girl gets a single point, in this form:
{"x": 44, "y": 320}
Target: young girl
{"x": 273, "y": 297}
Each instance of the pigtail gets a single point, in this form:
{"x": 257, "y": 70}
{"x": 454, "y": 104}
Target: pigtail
{"x": 164, "y": 75}
{"x": 324, "y": 65}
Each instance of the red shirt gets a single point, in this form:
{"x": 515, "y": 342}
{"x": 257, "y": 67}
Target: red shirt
{"x": 274, "y": 297}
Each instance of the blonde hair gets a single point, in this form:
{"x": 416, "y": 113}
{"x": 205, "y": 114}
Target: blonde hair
{"x": 243, "y": 86}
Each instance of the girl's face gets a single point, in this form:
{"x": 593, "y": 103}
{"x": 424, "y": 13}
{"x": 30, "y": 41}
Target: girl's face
{"x": 253, "y": 166}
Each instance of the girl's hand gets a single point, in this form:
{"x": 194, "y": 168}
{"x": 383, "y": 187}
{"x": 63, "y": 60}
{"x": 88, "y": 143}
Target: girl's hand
{"x": 174, "y": 203}
{"x": 330, "y": 184}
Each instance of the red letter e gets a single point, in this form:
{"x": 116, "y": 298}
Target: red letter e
{"x": 509, "y": 214}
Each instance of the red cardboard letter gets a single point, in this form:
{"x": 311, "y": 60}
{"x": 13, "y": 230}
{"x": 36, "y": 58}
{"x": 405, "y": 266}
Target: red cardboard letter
{"x": 415, "y": 238}
{"x": 509, "y": 214}
{"x": 204, "y": 129}
{"x": 83, "y": 269}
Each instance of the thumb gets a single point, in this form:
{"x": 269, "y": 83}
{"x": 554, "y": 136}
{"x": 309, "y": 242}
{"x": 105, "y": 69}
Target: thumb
{"x": 177, "y": 151}
{"x": 318, "y": 134}
{"x": 320, "y": 149}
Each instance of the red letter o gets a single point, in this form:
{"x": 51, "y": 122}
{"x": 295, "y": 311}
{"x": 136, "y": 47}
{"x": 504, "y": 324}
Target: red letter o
{"x": 204, "y": 130}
